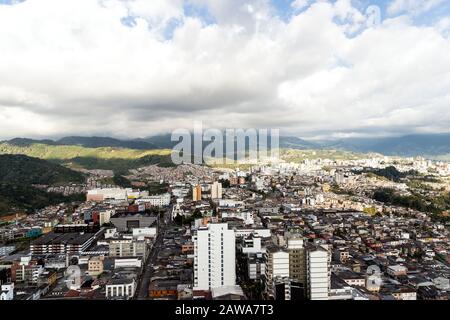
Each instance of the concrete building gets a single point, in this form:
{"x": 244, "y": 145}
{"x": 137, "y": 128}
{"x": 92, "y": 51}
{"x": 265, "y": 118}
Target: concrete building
{"x": 214, "y": 257}
{"x": 216, "y": 190}
{"x": 297, "y": 261}
{"x": 26, "y": 270}
{"x": 104, "y": 194}
{"x": 288, "y": 289}
{"x": 127, "y": 248}
{"x": 256, "y": 266}
{"x": 197, "y": 193}
{"x": 252, "y": 244}
{"x": 121, "y": 289}
{"x": 128, "y": 262}
{"x": 125, "y": 222}
{"x": 397, "y": 270}
{"x": 142, "y": 233}
{"x": 105, "y": 216}
{"x": 6, "y": 250}
{"x": 61, "y": 243}
{"x": 318, "y": 273}
{"x": 160, "y": 200}
{"x": 277, "y": 267}
{"x": 95, "y": 266}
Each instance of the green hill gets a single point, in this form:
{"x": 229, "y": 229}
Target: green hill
{"x": 110, "y": 158}
{"x": 24, "y": 170}
{"x": 120, "y": 160}
{"x": 25, "y": 198}
{"x": 18, "y": 174}
{"x": 64, "y": 152}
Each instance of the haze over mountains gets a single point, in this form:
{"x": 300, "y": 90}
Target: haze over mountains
{"x": 410, "y": 145}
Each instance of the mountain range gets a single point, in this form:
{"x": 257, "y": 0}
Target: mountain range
{"x": 88, "y": 142}
{"x": 409, "y": 145}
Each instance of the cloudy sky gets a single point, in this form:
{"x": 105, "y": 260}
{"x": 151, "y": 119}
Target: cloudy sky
{"x": 312, "y": 68}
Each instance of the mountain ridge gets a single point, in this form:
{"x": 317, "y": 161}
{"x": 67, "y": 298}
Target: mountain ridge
{"x": 407, "y": 145}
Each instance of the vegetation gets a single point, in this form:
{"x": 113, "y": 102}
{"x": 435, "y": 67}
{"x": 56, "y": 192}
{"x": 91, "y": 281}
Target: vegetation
{"x": 157, "y": 188}
{"x": 437, "y": 206}
{"x": 371, "y": 211}
{"x": 225, "y": 183}
{"x": 181, "y": 220}
{"x": 120, "y": 160}
{"x": 18, "y": 174}
{"x": 23, "y": 198}
{"x": 390, "y": 173}
{"x": 67, "y": 152}
{"x": 337, "y": 190}
{"x": 19, "y": 169}
{"x": 418, "y": 184}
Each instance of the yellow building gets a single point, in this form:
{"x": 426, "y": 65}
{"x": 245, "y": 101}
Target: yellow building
{"x": 197, "y": 193}
{"x": 95, "y": 266}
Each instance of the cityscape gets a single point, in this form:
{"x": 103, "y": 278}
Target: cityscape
{"x": 372, "y": 228}
{"x": 221, "y": 158}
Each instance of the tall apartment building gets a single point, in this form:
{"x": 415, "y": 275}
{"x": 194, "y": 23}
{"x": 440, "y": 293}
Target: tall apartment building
{"x": 297, "y": 261}
{"x": 277, "y": 267}
{"x": 214, "y": 257}
{"x": 216, "y": 190}
{"x": 197, "y": 193}
{"x": 318, "y": 272}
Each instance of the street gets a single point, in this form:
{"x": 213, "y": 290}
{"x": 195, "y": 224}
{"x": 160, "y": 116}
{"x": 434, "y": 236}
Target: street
{"x": 147, "y": 273}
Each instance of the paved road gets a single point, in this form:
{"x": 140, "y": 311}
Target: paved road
{"x": 142, "y": 289}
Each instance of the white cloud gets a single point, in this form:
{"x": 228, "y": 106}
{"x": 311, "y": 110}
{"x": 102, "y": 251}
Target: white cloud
{"x": 72, "y": 67}
{"x": 413, "y": 7}
{"x": 299, "y": 4}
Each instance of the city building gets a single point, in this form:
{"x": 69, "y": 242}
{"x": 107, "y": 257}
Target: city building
{"x": 95, "y": 265}
{"x": 318, "y": 273}
{"x": 125, "y": 222}
{"x": 127, "y": 248}
{"x": 216, "y": 190}
{"x": 121, "y": 289}
{"x": 26, "y": 270}
{"x": 160, "y": 200}
{"x": 196, "y": 193}
{"x": 214, "y": 257}
{"x": 277, "y": 268}
{"x": 297, "y": 261}
{"x": 61, "y": 243}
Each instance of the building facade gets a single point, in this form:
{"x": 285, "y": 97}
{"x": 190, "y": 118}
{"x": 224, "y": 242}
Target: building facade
{"x": 214, "y": 257}
{"x": 318, "y": 273}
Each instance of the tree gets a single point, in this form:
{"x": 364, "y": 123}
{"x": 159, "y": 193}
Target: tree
{"x": 197, "y": 214}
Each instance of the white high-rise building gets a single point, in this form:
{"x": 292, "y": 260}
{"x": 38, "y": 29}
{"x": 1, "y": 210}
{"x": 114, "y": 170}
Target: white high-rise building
{"x": 318, "y": 266}
{"x": 214, "y": 257}
{"x": 216, "y": 190}
{"x": 277, "y": 267}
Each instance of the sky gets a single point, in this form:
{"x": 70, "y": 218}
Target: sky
{"x": 316, "y": 69}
